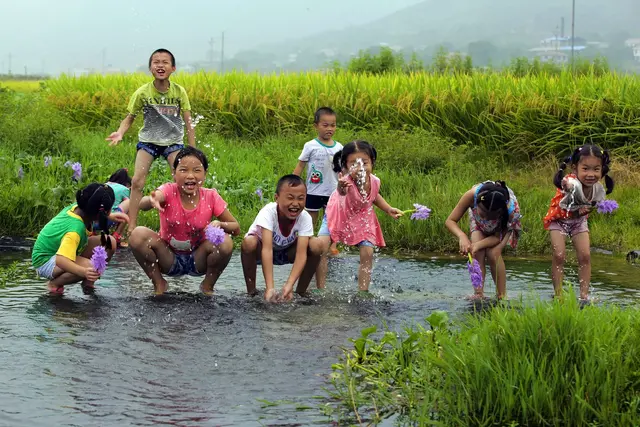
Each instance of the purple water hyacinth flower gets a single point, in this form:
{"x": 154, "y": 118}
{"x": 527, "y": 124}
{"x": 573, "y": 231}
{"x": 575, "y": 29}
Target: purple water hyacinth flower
{"x": 259, "y": 193}
{"x": 421, "y": 212}
{"x": 20, "y": 173}
{"x": 99, "y": 259}
{"x": 475, "y": 272}
{"x": 215, "y": 235}
{"x": 47, "y": 161}
{"x": 607, "y": 206}
{"x": 77, "y": 171}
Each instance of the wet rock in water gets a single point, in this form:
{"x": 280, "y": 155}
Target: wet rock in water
{"x": 633, "y": 256}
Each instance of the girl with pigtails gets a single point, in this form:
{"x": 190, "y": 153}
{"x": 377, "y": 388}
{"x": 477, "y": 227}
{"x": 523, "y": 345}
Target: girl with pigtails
{"x": 576, "y": 196}
{"x": 64, "y": 247}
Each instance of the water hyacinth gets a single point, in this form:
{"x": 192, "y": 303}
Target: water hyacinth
{"x": 20, "y": 173}
{"x": 259, "y": 193}
{"x": 214, "y": 234}
{"x": 77, "y": 171}
{"x": 47, "y": 161}
{"x": 99, "y": 259}
{"x": 607, "y": 206}
{"x": 475, "y": 272}
{"x": 419, "y": 212}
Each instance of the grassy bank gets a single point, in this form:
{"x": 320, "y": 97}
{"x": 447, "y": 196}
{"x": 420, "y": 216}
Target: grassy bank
{"x": 530, "y": 115}
{"x": 546, "y": 365}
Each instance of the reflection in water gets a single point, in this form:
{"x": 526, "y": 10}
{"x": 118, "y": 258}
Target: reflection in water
{"x": 124, "y": 357}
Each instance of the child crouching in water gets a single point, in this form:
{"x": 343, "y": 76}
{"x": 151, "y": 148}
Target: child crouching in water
{"x": 64, "y": 247}
{"x": 186, "y": 208}
{"x": 282, "y": 233}
{"x": 120, "y": 183}
{"x": 350, "y": 217}
{"x": 494, "y": 217}
{"x": 576, "y": 195}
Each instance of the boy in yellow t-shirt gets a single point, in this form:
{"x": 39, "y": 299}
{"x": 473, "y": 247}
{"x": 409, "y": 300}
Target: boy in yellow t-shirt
{"x": 163, "y": 105}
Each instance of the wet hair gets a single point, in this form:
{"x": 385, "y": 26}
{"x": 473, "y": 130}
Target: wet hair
{"x": 191, "y": 151}
{"x": 323, "y": 111}
{"x": 173, "y": 58}
{"x": 585, "y": 151}
{"x": 96, "y": 201}
{"x": 494, "y": 196}
{"x": 358, "y": 146}
{"x": 121, "y": 176}
{"x": 289, "y": 181}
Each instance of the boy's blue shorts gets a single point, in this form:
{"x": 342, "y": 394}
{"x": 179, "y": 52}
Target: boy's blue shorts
{"x": 159, "y": 150}
{"x": 280, "y": 257}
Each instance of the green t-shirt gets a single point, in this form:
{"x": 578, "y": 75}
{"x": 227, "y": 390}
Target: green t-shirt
{"x": 162, "y": 112}
{"x": 121, "y": 192}
{"x": 50, "y": 238}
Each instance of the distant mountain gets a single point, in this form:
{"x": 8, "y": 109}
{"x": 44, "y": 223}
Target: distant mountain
{"x": 460, "y": 22}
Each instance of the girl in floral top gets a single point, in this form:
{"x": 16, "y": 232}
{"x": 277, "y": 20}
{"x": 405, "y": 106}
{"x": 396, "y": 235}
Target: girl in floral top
{"x": 494, "y": 217}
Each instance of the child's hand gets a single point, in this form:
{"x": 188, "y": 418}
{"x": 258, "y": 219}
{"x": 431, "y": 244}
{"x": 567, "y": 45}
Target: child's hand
{"x": 343, "y": 183}
{"x": 270, "y": 295}
{"x": 156, "y": 202}
{"x": 394, "y": 213}
{"x": 465, "y": 245}
{"x": 91, "y": 274}
{"x": 475, "y": 247}
{"x": 287, "y": 293}
{"x": 119, "y": 217}
{"x": 115, "y": 138}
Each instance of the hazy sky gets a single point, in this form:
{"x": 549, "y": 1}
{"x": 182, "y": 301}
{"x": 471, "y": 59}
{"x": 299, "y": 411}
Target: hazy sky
{"x": 60, "y": 35}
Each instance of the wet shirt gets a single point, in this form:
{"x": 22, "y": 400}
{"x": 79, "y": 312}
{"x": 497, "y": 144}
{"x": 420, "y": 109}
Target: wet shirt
{"x": 268, "y": 219}
{"x": 162, "y": 113}
{"x": 66, "y": 235}
{"x": 183, "y": 229}
{"x": 570, "y": 201}
{"x": 321, "y": 179}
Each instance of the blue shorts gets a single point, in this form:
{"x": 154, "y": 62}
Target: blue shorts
{"x": 46, "y": 270}
{"x": 315, "y": 203}
{"x": 183, "y": 264}
{"x": 324, "y": 231}
{"x": 159, "y": 150}
{"x": 280, "y": 257}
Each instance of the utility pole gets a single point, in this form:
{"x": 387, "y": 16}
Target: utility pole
{"x": 573, "y": 29}
{"x": 222, "y": 55}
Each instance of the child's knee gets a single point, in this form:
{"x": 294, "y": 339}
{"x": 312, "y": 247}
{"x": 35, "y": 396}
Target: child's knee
{"x": 494, "y": 254}
{"x": 559, "y": 256}
{"x": 318, "y": 246}
{"x": 139, "y": 237}
{"x": 138, "y": 181}
{"x": 249, "y": 245}
{"x": 226, "y": 248}
{"x": 584, "y": 258}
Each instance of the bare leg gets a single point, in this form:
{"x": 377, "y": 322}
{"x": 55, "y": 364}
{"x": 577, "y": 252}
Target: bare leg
{"x": 323, "y": 265}
{"x": 250, "y": 252}
{"x": 124, "y": 207}
{"x": 314, "y": 254}
{"x": 213, "y": 260}
{"x": 583, "y": 252}
{"x": 170, "y": 159}
{"x": 480, "y": 256}
{"x": 366, "y": 266}
{"x": 153, "y": 255}
{"x": 498, "y": 271}
{"x": 557, "y": 263}
{"x": 143, "y": 164}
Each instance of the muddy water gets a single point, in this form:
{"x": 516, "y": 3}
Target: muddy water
{"x": 124, "y": 357}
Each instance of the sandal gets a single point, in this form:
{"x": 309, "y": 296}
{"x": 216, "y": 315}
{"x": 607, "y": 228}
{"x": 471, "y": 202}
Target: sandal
{"x": 55, "y": 290}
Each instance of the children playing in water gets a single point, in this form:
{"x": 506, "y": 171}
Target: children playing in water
{"x": 350, "y": 217}
{"x": 494, "y": 217}
{"x": 317, "y": 157}
{"x": 186, "y": 208}
{"x": 576, "y": 196}
{"x": 64, "y": 247}
{"x": 164, "y": 104}
{"x": 282, "y": 233}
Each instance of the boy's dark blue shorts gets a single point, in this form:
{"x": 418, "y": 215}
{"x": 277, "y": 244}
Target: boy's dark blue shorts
{"x": 159, "y": 150}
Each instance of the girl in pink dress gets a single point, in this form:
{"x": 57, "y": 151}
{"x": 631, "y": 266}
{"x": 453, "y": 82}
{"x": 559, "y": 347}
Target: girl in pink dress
{"x": 350, "y": 217}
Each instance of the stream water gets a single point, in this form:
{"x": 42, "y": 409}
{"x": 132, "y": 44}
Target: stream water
{"x": 124, "y": 357}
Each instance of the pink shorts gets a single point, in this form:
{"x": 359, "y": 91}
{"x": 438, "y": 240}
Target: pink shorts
{"x": 570, "y": 227}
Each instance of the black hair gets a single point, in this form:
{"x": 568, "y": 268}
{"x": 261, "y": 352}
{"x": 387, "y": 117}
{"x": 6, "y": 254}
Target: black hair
{"x": 357, "y": 146}
{"x": 121, "y": 176}
{"x": 96, "y": 201}
{"x": 289, "y": 181}
{"x": 494, "y": 196}
{"x": 574, "y": 159}
{"x": 191, "y": 151}
{"x": 173, "y": 58}
{"x": 323, "y": 111}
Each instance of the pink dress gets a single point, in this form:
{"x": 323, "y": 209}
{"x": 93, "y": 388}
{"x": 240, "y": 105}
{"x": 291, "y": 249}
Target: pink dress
{"x": 352, "y": 219}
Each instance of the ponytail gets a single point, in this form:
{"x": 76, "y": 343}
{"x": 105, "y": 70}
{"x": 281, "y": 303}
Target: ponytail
{"x": 96, "y": 201}
{"x": 608, "y": 181}
{"x": 559, "y": 176}
{"x": 337, "y": 162}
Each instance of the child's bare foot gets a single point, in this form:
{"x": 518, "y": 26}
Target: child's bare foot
{"x": 474, "y": 297}
{"x": 55, "y": 290}
{"x": 160, "y": 288}
{"x": 205, "y": 291}
{"x": 88, "y": 288}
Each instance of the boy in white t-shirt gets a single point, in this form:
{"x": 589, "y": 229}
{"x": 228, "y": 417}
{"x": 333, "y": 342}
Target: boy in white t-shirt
{"x": 317, "y": 157}
{"x": 282, "y": 233}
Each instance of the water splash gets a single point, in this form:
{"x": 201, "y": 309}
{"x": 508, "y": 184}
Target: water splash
{"x": 361, "y": 176}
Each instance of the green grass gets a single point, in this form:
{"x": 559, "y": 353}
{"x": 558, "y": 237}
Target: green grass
{"x": 550, "y": 364}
